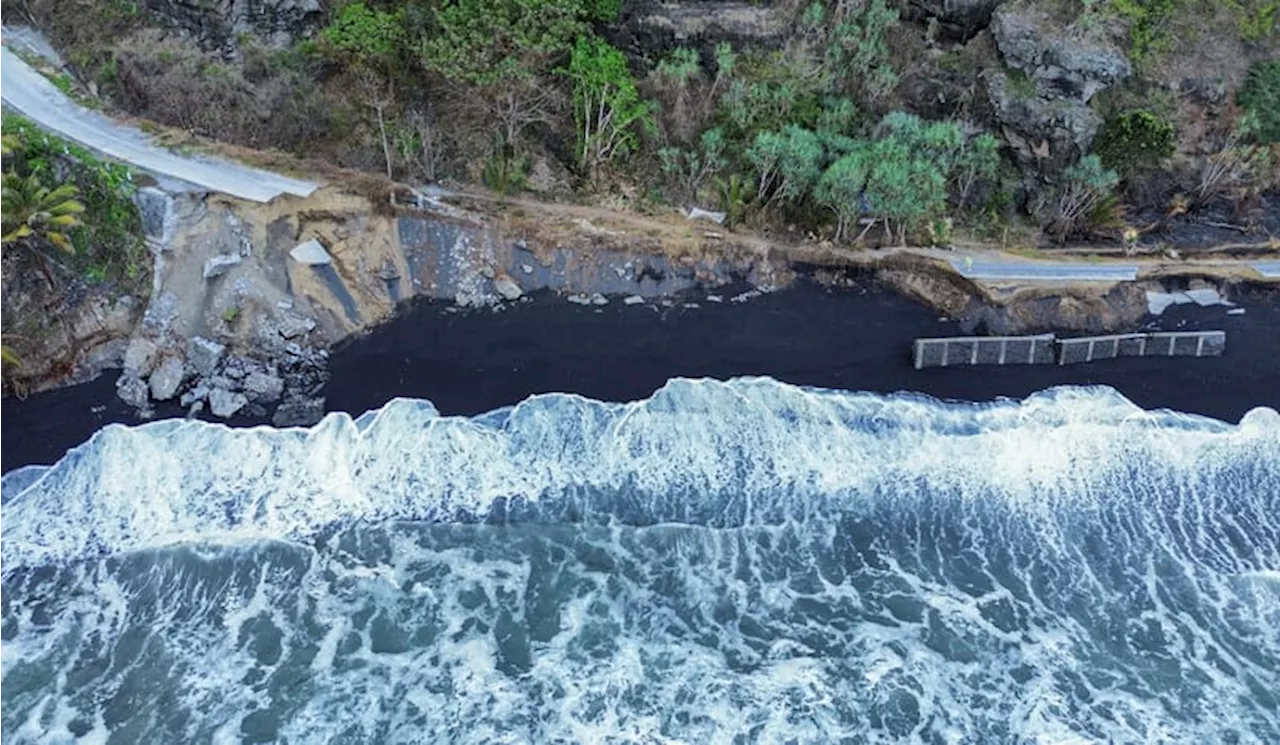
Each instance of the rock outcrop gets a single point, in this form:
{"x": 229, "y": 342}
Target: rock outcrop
{"x": 1040, "y": 101}
{"x": 215, "y": 24}
{"x": 959, "y": 20}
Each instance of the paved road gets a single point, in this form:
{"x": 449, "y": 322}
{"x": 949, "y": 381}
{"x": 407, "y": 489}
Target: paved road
{"x": 29, "y": 92}
{"x": 1047, "y": 272}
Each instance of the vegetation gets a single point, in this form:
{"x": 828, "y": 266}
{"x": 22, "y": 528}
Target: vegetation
{"x": 58, "y": 195}
{"x": 1260, "y": 97}
{"x": 1086, "y": 197}
{"x": 1133, "y": 142}
{"x": 817, "y": 130}
{"x": 606, "y": 105}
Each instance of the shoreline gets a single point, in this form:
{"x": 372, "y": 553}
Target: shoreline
{"x": 469, "y": 361}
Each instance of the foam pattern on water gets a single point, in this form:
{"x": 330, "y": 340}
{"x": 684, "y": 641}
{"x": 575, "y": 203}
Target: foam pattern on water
{"x": 721, "y": 563}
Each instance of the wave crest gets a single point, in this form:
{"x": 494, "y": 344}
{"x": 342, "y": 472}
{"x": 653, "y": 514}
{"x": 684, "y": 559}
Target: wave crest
{"x": 699, "y": 451}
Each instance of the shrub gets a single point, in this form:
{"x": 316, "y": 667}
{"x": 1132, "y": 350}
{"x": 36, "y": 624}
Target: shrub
{"x": 1086, "y": 192}
{"x": 1259, "y": 96}
{"x": 1133, "y": 142}
{"x": 80, "y": 204}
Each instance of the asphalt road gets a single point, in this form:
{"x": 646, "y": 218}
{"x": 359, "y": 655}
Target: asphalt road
{"x": 30, "y": 93}
{"x": 1045, "y": 271}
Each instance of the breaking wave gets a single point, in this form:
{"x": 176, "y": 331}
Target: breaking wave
{"x": 724, "y": 562}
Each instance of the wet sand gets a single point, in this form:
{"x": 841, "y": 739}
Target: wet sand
{"x": 471, "y": 361}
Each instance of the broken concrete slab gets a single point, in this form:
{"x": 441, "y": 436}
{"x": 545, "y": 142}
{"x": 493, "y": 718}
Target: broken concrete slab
{"x": 311, "y": 252}
{"x": 262, "y": 386}
{"x": 140, "y": 356}
{"x": 218, "y": 265}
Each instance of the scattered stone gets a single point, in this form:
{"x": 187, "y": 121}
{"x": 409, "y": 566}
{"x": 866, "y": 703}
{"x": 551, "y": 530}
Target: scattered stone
{"x": 579, "y": 299}
{"x": 132, "y": 390}
{"x": 632, "y": 300}
{"x": 263, "y": 387}
{"x": 598, "y": 299}
{"x": 1236, "y": 312}
{"x": 195, "y": 409}
{"x": 223, "y": 382}
{"x": 311, "y": 253}
{"x": 507, "y": 287}
{"x": 692, "y": 305}
{"x": 199, "y": 393}
{"x": 139, "y": 357}
{"x": 166, "y": 379}
{"x": 204, "y": 354}
{"x": 487, "y": 272}
{"x": 236, "y": 368}
{"x": 224, "y": 404}
{"x": 284, "y": 304}
{"x": 526, "y": 268}
{"x": 712, "y": 236}
{"x": 302, "y": 412}
{"x": 291, "y": 325}
{"x": 715, "y": 299}
{"x": 218, "y": 265}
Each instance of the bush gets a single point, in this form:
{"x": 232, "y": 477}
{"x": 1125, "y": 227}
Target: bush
{"x": 1134, "y": 142}
{"x": 107, "y": 238}
{"x": 1083, "y": 199}
{"x": 1260, "y": 98}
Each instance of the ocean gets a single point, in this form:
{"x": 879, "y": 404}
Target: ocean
{"x": 723, "y": 562}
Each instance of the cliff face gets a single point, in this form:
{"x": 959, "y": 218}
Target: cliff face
{"x": 216, "y": 24}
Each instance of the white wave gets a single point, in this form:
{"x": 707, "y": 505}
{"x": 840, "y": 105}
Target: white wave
{"x": 749, "y": 450}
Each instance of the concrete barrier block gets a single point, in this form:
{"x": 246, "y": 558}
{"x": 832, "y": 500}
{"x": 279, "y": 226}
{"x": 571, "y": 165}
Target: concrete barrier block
{"x": 984, "y": 350}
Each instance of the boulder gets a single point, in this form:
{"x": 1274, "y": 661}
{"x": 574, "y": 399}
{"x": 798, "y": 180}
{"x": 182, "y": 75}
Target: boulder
{"x": 132, "y": 390}
{"x": 260, "y": 386}
{"x": 167, "y": 378}
{"x": 1062, "y": 61}
{"x": 960, "y": 20}
{"x": 507, "y": 287}
{"x": 204, "y": 354}
{"x": 140, "y": 357}
{"x": 224, "y": 403}
{"x": 222, "y": 25}
{"x": 218, "y": 265}
{"x": 300, "y": 412}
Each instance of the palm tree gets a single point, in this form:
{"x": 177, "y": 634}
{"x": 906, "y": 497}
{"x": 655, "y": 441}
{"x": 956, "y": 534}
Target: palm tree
{"x": 33, "y": 214}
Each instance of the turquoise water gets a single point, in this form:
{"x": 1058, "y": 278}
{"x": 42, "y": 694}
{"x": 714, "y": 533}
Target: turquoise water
{"x": 722, "y": 563}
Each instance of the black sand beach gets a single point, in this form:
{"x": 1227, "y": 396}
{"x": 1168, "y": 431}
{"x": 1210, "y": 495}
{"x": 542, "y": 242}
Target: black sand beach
{"x": 471, "y": 361}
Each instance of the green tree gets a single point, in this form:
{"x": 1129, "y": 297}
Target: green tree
{"x": 978, "y": 161}
{"x": 788, "y": 163}
{"x": 858, "y": 51}
{"x": 35, "y": 216}
{"x": 368, "y": 35}
{"x": 606, "y": 105}
{"x": 498, "y": 52}
{"x": 841, "y": 186}
{"x": 1260, "y": 97}
{"x": 488, "y": 42}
